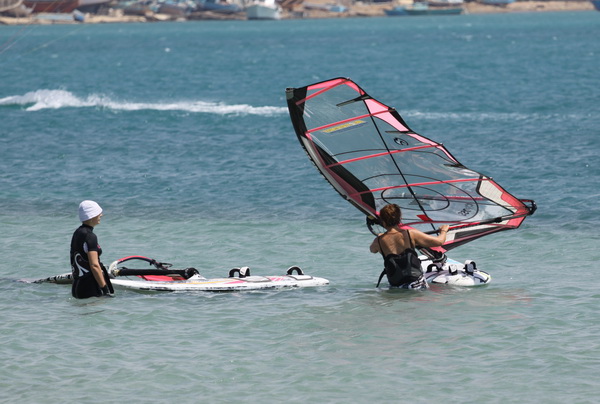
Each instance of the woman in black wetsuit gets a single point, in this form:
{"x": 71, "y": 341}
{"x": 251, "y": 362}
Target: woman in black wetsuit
{"x": 396, "y": 240}
{"x": 90, "y": 278}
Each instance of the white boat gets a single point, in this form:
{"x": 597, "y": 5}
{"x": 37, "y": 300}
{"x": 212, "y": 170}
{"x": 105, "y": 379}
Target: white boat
{"x": 421, "y": 8}
{"x": 263, "y": 10}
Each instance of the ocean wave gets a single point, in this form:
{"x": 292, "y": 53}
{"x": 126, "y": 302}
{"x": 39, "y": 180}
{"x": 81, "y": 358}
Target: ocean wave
{"x": 467, "y": 116}
{"x": 489, "y": 116}
{"x": 57, "y": 99}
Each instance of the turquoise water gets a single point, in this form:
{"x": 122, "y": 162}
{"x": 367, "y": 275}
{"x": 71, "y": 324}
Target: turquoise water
{"x": 180, "y": 131}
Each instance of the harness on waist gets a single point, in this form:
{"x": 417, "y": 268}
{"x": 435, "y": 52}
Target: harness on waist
{"x": 401, "y": 268}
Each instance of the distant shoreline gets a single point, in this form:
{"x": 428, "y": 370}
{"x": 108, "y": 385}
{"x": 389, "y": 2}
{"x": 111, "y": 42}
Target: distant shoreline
{"x": 357, "y": 10}
{"x": 377, "y": 10}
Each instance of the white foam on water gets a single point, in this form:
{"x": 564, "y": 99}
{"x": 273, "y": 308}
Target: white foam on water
{"x": 56, "y": 99}
{"x": 466, "y": 116}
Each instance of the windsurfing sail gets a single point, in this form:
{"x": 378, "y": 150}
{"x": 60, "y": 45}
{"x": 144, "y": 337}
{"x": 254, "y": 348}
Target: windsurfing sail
{"x": 371, "y": 157}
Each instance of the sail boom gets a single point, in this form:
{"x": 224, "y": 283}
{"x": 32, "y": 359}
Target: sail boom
{"x": 418, "y": 185}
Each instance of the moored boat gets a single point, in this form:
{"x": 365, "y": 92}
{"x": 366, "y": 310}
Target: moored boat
{"x": 332, "y": 8}
{"x": 219, "y": 6}
{"x": 263, "y": 10}
{"x": 141, "y": 8}
{"x": 179, "y": 9}
{"x": 64, "y": 6}
{"x": 52, "y": 6}
{"x": 92, "y": 6}
{"x": 421, "y": 8}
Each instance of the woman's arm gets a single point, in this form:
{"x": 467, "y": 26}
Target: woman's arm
{"x": 421, "y": 239}
{"x": 96, "y": 269}
{"x": 375, "y": 245}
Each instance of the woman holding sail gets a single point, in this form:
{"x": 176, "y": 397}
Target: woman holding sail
{"x": 89, "y": 275}
{"x": 397, "y": 245}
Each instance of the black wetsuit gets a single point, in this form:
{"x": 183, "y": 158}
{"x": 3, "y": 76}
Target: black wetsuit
{"x": 84, "y": 283}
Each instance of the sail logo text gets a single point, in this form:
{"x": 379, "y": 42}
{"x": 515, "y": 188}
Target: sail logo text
{"x": 347, "y": 125}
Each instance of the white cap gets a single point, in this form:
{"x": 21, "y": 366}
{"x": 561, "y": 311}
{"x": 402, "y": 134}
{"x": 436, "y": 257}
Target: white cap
{"x": 88, "y": 210}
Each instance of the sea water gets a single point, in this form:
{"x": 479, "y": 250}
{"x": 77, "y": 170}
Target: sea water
{"x": 180, "y": 131}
